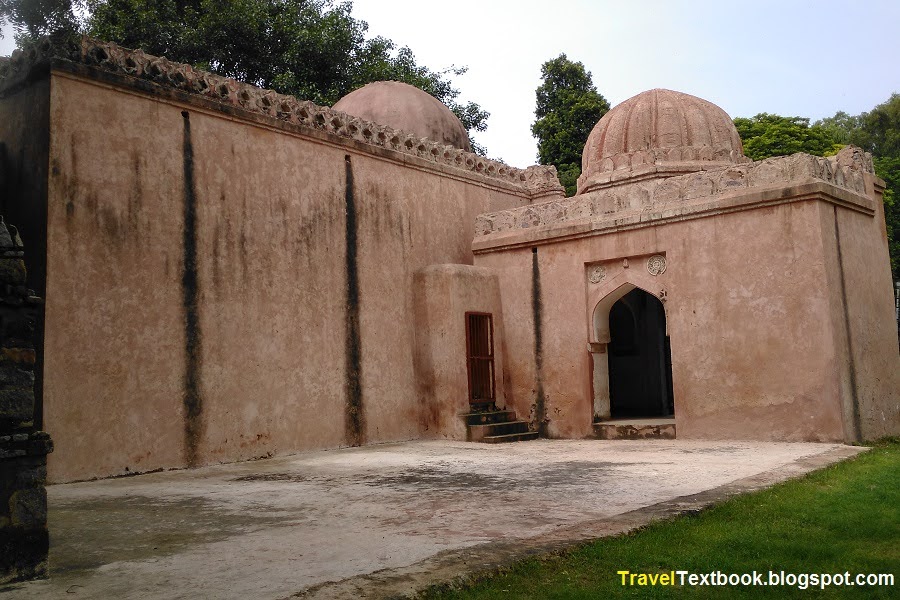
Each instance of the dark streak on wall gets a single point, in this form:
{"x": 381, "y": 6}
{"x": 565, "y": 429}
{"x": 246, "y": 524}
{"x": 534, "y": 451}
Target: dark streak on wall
{"x": 856, "y": 434}
{"x": 193, "y": 402}
{"x": 355, "y": 423}
{"x": 539, "y": 419}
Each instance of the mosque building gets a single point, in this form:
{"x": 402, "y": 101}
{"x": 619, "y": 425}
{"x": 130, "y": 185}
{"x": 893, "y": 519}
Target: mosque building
{"x": 230, "y": 273}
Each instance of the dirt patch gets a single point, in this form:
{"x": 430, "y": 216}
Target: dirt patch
{"x": 145, "y": 528}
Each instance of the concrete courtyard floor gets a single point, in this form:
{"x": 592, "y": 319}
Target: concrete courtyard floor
{"x": 383, "y": 520}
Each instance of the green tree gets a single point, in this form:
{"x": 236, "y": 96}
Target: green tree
{"x": 312, "y": 49}
{"x": 888, "y": 168}
{"x": 32, "y": 19}
{"x": 568, "y": 107}
{"x": 768, "y": 135}
{"x": 879, "y": 129}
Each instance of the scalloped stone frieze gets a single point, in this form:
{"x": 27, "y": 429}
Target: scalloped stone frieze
{"x": 538, "y": 181}
{"x": 844, "y": 170}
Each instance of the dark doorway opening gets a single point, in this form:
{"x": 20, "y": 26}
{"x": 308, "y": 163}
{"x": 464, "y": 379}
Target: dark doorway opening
{"x": 480, "y": 357}
{"x": 640, "y": 358}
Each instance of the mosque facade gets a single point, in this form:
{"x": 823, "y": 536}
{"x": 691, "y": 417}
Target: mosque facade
{"x": 229, "y": 273}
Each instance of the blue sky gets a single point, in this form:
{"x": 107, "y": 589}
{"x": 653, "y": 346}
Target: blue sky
{"x": 791, "y": 57}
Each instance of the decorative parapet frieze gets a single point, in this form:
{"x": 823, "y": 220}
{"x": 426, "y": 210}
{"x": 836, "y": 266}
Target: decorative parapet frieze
{"x": 650, "y": 197}
{"x": 538, "y": 181}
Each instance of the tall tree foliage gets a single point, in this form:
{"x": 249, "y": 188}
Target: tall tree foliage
{"x": 312, "y": 49}
{"x": 568, "y": 107}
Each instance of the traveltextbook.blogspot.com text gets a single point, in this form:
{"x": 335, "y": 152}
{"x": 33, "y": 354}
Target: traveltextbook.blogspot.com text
{"x": 755, "y": 578}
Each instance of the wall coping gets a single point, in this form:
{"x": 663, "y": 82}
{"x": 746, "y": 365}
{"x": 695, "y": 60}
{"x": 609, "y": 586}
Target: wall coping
{"x": 536, "y": 182}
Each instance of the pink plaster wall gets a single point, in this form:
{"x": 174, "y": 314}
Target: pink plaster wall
{"x": 272, "y": 273}
{"x": 444, "y": 294}
{"x": 519, "y": 375}
{"x": 750, "y": 311}
{"x": 113, "y": 272}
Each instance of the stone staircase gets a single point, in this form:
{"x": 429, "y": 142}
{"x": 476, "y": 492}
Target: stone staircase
{"x": 488, "y": 424}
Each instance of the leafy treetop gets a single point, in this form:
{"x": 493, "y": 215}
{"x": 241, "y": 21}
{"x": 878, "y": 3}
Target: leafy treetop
{"x": 568, "y": 107}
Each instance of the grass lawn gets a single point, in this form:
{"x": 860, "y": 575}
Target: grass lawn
{"x": 843, "y": 518}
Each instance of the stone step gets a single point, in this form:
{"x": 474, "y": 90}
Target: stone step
{"x": 494, "y": 416}
{"x": 511, "y": 437}
{"x": 649, "y": 429}
{"x": 478, "y": 432}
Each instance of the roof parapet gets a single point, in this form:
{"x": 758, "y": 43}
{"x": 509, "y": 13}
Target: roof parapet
{"x": 538, "y": 181}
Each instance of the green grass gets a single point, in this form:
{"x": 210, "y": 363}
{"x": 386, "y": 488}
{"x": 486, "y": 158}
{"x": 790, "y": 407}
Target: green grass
{"x": 843, "y": 518}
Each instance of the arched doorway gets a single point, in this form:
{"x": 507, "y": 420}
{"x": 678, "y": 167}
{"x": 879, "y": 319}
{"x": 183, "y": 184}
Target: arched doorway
{"x": 639, "y": 358}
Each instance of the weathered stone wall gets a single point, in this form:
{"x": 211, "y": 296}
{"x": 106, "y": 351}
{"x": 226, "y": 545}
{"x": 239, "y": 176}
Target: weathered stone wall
{"x": 24, "y": 540}
{"x": 242, "y": 269}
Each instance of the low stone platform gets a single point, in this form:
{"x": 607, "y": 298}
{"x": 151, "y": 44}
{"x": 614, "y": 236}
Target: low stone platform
{"x": 635, "y": 429}
{"x": 381, "y": 521}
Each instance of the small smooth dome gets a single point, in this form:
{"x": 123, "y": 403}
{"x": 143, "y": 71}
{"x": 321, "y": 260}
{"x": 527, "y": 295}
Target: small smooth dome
{"x": 406, "y": 107}
{"x": 658, "y": 133}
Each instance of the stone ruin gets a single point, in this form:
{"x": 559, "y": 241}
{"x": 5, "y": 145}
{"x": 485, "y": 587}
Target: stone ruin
{"x": 24, "y": 540}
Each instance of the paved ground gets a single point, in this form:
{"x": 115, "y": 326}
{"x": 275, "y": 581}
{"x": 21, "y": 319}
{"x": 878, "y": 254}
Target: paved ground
{"x": 380, "y": 520}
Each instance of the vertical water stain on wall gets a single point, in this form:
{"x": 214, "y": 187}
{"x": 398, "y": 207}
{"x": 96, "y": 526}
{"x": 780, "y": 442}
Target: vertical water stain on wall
{"x": 854, "y": 432}
{"x": 537, "y": 309}
{"x": 190, "y": 287}
{"x": 354, "y": 422}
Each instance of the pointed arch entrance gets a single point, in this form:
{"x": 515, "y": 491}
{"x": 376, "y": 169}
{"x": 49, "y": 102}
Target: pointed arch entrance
{"x": 640, "y": 360}
{"x": 632, "y": 360}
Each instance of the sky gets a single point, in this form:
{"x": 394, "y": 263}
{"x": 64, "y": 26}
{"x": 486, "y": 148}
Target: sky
{"x": 791, "y": 57}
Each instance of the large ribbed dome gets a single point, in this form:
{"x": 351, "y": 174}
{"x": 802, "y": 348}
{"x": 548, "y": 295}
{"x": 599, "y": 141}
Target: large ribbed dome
{"x": 658, "y": 133}
{"x": 405, "y": 107}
